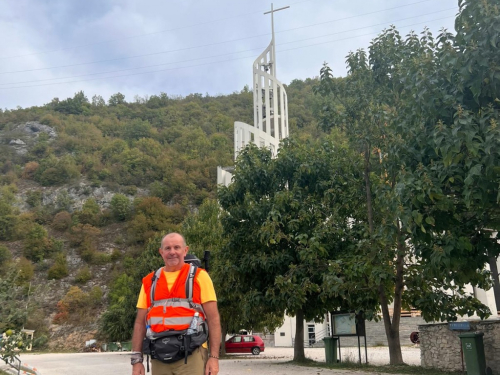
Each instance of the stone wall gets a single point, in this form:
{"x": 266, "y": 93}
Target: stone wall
{"x": 440, "y": 347}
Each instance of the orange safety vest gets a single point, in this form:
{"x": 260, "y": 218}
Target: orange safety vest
{"x": 172, "y": 310}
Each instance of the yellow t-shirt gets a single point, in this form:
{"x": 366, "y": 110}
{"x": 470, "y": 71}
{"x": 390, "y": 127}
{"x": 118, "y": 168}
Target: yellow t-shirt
{"x": 203, "y": 280}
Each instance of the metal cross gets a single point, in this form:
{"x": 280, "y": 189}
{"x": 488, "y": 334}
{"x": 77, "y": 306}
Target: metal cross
{"x": 272, "y": 40}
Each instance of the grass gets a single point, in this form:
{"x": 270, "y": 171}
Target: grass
{"x": 385, "y": 369}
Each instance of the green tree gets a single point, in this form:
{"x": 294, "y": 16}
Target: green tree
{"x": 90, "y": 212}
{"x": 79, "y": 104}
{"x": 8, "y": 213}
{"x": 203, "y": 231}
{"x": 5, "y": 256}
{"x": 98, "y": 101}
{"x": 116, "y": 99}
{"x": 38, "y": 245}
{"x": 12, "y": 302}
{"x": 285, "y": 220}
{"x": 59, "y": 269}
{"x": 120, "y": 207}
{"x": 432, "y": 194}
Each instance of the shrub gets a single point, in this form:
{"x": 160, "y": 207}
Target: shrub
{"x": 8, "y": 178}
{"x": 34, "y": 198}
{"x": 29, "y": 170}
{"x": 100, "y": 258}
{"x": 78, "y": 305}
{"x": 130, "y": 190}
{"x": 24, "y": 223}
{"x": 8, "y": 214}
{"x": 74, "y": 299}
{"x": 62, "y": 314}
{"x": 59, "y": 269}
{"x": 83, "y": 232}
{"x": 89, "y": 213}
{"x": 5, "y": 255}
{"x": 38, "y": 245}
{"x": 83, "y": 275}
{"x": 53, "y": 171}
{"x": 152, "y": 217}
{"x": 64, "y": 201}
{"x": 25, "y": 269}
{"x": 105, "y": 218}
{"x": 95, "y": 296}
{"x": 62, "y": 221}
{"x": 116, "y": 254}
{"x": 120, "y": 207}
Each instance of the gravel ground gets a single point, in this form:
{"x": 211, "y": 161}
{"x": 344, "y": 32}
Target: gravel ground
{"x": 271, "y": 362}
{"x": 376, "y": 355}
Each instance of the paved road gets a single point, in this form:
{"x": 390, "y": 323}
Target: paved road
{"x": 271, "y": 362}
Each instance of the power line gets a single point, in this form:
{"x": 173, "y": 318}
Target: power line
{"x": 212, "y": 44}
{"x": 146, "y": 34}
{"x": 214, "y": 62}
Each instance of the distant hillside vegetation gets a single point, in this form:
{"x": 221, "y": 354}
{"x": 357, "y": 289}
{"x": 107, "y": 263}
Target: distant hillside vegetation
{"x": 85, "y": 183}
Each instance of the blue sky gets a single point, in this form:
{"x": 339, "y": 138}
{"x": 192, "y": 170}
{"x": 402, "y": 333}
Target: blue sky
{"x": 54, "y": 48}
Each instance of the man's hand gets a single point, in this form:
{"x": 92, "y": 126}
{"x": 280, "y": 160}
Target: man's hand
{"x": 138, "y": 369}
{"x": 212, "y": 367}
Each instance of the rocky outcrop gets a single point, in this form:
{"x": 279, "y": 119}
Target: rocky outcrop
{"x": 23, "y": 136}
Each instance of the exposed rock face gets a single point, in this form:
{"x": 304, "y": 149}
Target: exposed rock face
{"x": 78, "y": 193}
{"x": 27, "y": 134}
{"x": 34, "y": 129}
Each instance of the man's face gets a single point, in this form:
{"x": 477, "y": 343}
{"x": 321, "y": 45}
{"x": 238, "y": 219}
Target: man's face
{"x": 173, "y": 250}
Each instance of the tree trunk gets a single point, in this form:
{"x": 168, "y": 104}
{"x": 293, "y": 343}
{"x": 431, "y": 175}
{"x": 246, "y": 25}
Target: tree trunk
{"x": 391, "y": 327}
{"x": 395, "y": 355}
{"x": 496, "y": 282}
{"x": 391, "y": 330}
{"x": 223, "y": 328}
{"x": 298, "y": 346}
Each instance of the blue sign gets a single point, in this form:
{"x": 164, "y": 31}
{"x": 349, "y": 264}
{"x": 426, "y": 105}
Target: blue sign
{"x": 459, "y": 326}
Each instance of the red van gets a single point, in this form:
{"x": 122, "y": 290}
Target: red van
{"x": 245, "y": 344}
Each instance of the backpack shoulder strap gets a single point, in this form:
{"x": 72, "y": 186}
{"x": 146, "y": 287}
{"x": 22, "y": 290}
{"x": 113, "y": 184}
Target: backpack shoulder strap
{"x": 154, "y": 279}
{"x": 190, "y": 281}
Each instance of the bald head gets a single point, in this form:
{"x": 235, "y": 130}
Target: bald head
{"x": 173, "y": 235}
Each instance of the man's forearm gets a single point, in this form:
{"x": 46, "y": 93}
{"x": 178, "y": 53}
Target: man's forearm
{"x": 214, "y": 334}
{"x": 139, "y": 331}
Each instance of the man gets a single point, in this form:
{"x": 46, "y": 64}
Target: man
{"x": 173, "y": 250}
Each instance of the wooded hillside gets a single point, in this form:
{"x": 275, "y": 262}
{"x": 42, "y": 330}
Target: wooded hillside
{"x": 86, "y": 182}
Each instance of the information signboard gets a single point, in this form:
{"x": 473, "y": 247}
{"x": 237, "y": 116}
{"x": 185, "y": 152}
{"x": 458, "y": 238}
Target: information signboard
{"x": 344, "y": 325}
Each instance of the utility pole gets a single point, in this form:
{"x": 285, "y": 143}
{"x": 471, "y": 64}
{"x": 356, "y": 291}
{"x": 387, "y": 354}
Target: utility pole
{"x": 273, "y": 71}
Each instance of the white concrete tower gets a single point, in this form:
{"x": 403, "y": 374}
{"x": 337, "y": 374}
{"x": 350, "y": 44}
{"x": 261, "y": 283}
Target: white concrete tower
{"x": 270, "y": 108}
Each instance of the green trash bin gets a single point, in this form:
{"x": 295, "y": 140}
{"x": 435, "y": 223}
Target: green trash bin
{"x": 126, "y": 346}
{"x": 473, "y": 349}
{"x": 112, "y": 347}
{"x": 104, "y": 347}
{"x": 330, "y": 349}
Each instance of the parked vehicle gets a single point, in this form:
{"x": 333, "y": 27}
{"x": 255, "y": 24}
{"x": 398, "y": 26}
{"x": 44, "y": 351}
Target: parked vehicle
{"x": 245, "y": 344}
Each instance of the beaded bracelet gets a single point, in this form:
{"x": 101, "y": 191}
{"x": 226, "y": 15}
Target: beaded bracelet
{"x": 212, "y": 356}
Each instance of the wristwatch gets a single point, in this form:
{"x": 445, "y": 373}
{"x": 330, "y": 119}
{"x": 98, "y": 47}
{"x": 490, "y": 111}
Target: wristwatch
{"x": 136, "y": 357}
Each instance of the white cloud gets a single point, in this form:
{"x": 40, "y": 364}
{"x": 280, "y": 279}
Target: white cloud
{"x": 74, "y": 32}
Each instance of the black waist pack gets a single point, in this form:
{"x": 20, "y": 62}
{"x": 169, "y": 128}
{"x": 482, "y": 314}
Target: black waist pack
{"x": 172, "y": 346}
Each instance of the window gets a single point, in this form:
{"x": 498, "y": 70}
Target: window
{"x": 237, "y": 339}
{"x": 282, "y": 333}
{"x": 248, "y": 339}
